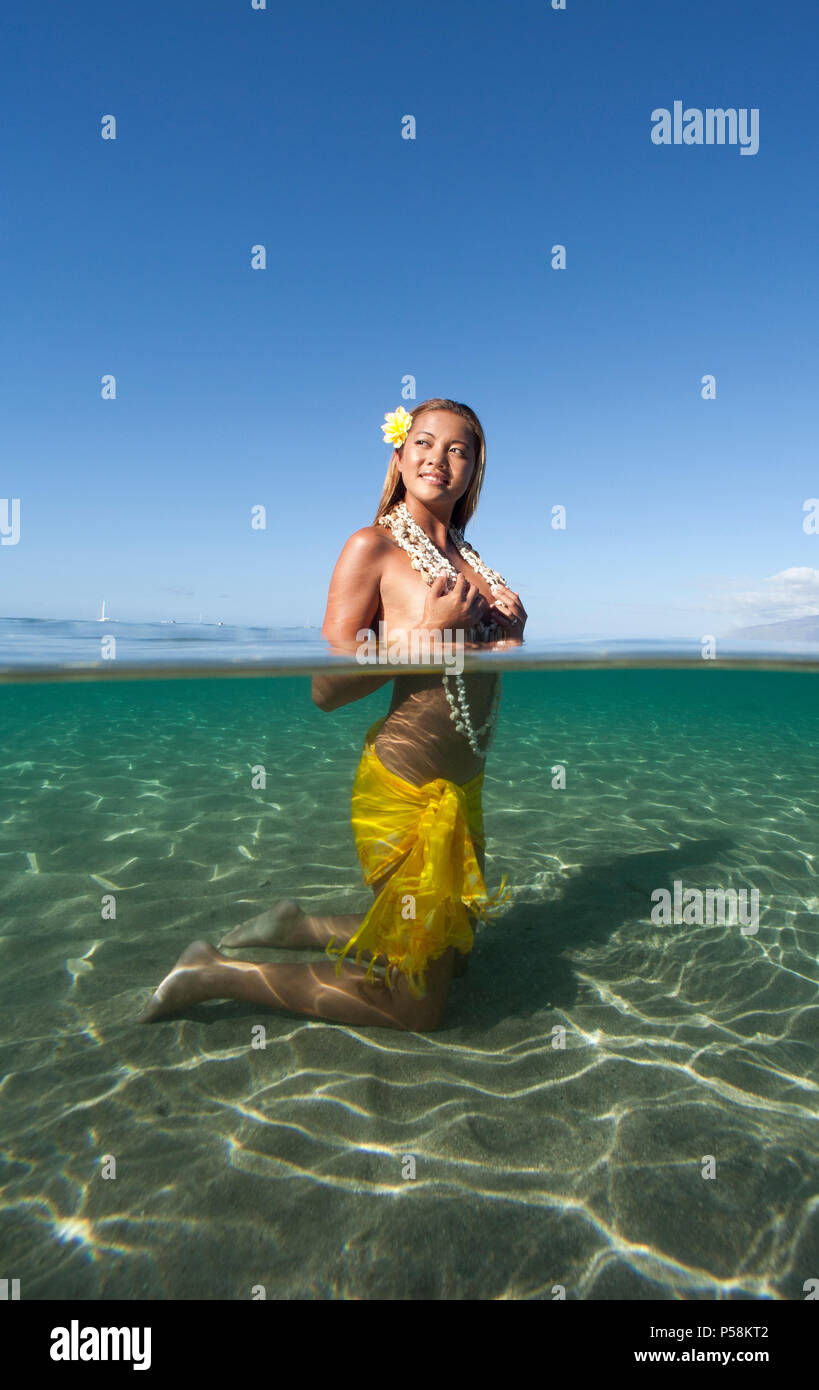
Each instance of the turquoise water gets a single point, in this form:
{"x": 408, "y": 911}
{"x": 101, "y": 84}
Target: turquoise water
{"x": 535, "y": 1164}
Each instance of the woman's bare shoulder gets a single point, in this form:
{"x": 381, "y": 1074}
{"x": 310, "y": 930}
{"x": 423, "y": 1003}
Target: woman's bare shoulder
{"x": 367, "y": 544}
{"x": 362, "y": 558}
{"x": 370, "y": 537}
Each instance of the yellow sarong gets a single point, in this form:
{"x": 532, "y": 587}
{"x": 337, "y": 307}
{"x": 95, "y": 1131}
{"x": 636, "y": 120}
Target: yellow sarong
{"x": 430, "y": 833}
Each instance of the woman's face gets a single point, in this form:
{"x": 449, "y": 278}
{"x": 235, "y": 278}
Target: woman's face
{"x": 437, "y": 459}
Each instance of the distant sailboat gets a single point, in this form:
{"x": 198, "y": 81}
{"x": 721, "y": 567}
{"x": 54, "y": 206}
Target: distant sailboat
{"x": 102, "y": 617}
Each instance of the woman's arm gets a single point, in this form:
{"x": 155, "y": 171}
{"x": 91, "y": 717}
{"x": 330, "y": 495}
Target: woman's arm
{"x": 331, "y": 692}
{"x": 352, "y": 604}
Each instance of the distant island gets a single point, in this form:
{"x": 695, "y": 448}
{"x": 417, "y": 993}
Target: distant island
{"x": 792, "y": 630}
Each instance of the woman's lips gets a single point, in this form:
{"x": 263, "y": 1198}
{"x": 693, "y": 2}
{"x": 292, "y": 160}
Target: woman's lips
{"x": 434, "y": 478}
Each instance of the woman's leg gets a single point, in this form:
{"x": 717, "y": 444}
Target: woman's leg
{"x": 288, "y": 928}
{"x": 203, "y": 973}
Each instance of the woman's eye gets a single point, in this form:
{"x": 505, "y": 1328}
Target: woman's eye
{"x": 426, "y": 441}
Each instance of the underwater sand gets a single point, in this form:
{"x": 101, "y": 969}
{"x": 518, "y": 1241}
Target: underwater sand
{"x": 535, "y": 1165}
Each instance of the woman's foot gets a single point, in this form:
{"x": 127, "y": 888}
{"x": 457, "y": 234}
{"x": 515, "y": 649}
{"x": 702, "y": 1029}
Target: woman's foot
{"x": 192, "y": 979}
{"x": 282, "y": 926}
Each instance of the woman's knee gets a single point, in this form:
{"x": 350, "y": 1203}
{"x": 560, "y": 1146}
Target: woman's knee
{"x": 421, "y": 1015}
{"x": 425, "y": 1015}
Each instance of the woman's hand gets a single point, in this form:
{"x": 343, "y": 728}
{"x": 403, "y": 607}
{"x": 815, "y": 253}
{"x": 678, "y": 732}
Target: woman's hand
{"x": 463, "y": 607}
{"x": 508, "y": 611}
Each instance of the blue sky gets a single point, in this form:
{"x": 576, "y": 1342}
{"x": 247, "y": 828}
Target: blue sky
{"x": 389, "y": 257}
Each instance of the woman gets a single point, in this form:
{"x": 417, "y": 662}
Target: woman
{"x": 416, "y": 801}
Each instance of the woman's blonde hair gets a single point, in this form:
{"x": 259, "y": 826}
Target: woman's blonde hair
{"x": 465, "y": 506}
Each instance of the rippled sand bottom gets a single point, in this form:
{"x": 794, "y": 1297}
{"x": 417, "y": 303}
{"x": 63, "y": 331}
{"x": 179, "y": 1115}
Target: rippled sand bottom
{"x": 558, "y": 1125}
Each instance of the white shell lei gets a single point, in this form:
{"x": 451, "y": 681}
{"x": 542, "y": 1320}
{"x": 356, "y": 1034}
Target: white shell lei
{"x": 430, "y": 562}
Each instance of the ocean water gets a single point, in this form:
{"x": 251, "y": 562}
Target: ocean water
{"x": 593, "y": 1064}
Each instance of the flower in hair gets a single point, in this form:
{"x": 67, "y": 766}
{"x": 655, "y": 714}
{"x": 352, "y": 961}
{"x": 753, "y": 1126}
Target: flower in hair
{"x": 397, "y": 427}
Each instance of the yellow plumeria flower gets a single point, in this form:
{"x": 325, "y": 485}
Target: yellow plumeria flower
{"x": 397, "y": 427}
